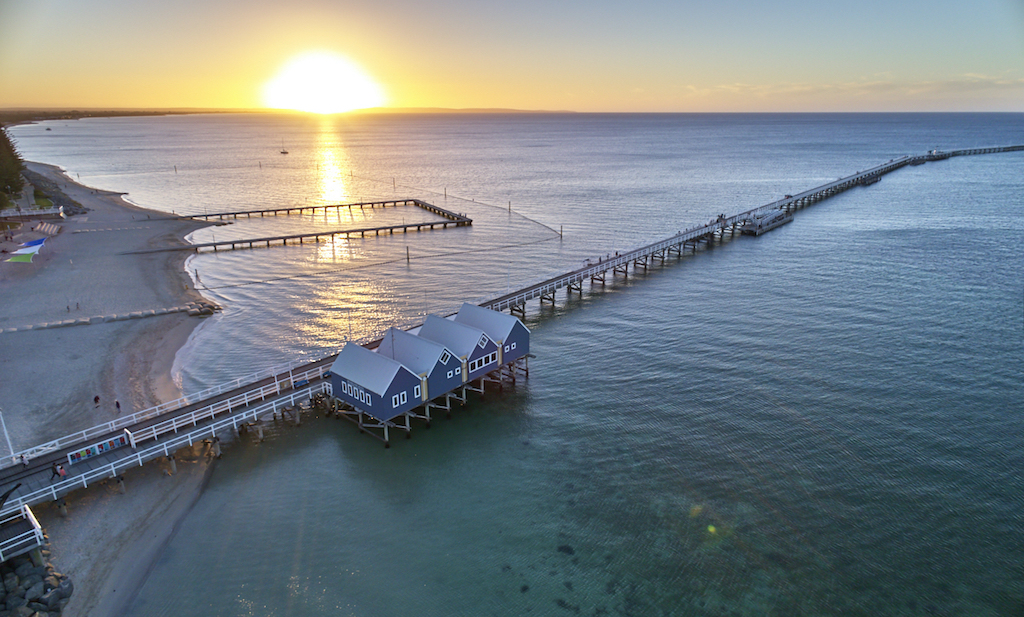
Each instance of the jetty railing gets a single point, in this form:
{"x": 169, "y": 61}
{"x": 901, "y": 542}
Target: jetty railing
{"x": 166, "y": 447}
{"x": 224, "y": 406}
{"x": 25, "y": 540}
{"x": 282, "y": 372}
{"x": 15, "y": 212}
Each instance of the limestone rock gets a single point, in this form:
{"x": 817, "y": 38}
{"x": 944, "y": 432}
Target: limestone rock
{"x": 35, "y": 592}
{"x": 66, "y": 588}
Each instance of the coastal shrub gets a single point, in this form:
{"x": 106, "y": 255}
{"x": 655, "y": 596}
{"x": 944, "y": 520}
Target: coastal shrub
{"x": 11, "y": 165}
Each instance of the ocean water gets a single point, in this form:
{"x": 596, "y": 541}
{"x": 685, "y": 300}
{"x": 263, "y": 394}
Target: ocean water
{"x": 825, "y": 420}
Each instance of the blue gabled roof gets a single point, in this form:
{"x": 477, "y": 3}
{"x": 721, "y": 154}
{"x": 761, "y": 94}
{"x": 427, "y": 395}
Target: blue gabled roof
{"x": 459, "y": 338}
{"x": 370, "y": 370}
{"x": 418, "y": 354}
{"x": 497, "y": 325}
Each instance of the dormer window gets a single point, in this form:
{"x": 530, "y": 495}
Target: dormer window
{"x": 483, "y": 341}
{"x": 445, "y": 357}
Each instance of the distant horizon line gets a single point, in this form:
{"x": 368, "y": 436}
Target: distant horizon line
{"x": 22, "y": 115}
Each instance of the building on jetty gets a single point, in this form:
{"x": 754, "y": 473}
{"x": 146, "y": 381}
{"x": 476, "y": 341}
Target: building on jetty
{"x": 510, "y": 335}
{"x": 439, "y": 370}
{"x": 476, "y": 350}
{"x": 374, "y": 384}
{"x": 409, "y": 373}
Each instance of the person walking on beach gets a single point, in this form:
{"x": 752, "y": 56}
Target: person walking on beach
{"x": 96, "y": 400}
{"x": 118, "y": 405}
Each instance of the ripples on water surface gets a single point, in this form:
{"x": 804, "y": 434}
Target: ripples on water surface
{"x": 821, "y": 421}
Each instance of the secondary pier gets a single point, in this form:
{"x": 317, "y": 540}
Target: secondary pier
{"x": 453, "y": 219}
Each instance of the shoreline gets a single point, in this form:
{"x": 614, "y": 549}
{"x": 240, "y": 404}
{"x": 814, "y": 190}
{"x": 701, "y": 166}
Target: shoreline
{"x": 109, "y": 541}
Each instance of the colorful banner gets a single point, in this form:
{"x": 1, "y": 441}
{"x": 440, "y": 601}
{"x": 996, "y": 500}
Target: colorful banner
{"x": 97, "y": 449}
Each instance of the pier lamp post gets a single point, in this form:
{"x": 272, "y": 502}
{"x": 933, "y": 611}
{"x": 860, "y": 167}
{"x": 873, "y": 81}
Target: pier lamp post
{"x": 6, "y": 436}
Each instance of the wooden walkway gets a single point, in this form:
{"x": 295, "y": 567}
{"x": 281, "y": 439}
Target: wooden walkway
{"x": 160, "y": 431}
{"x": 452, "y": 219}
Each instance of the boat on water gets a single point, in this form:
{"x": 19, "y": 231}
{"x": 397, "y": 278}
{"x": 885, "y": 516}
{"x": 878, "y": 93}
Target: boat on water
{"x": 758, "y": 224}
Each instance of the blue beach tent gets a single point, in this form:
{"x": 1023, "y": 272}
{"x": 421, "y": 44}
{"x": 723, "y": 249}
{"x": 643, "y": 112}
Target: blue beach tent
{"x": 373, "y": 383}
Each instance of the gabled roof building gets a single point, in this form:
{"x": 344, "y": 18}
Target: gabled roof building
{"x": 439, "y": 370}
{"x": 510, "y": 335}
{"x": 476, "y": 350}
{"x": 374, "y": 384}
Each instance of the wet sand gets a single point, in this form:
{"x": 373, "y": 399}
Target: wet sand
{"x": 109, "y": 540}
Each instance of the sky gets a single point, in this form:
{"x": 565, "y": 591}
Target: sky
{"x": 576, "y": 55}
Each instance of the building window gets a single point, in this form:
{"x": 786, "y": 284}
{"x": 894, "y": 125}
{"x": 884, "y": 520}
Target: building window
{"x": 458, "y": 370}
{"x": 394, "y": 401}
{"x": 369, "y": 400}
{"x": 445, "y": 357}
{"x": 513, "y": 345}
{"x": 450, "y": 373}
{"x": 416, "y": 391}
{"x": 404, "y": 398}
{"x": 507, "y": 349}
{"x": 483, "y": 341}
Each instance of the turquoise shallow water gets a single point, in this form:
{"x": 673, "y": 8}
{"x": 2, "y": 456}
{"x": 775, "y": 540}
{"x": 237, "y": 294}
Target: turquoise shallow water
{"x": 824, "y": 420}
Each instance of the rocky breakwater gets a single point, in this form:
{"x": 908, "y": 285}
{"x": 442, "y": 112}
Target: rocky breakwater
{"x": 202, "y": 309}
{"x": 32, "y": 588}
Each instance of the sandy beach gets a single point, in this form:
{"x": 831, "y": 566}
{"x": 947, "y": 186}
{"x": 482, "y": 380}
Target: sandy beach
{"x": 51, "y": 376}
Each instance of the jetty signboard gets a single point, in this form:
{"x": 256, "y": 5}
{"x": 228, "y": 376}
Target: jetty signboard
{"x": 97, "y": 449}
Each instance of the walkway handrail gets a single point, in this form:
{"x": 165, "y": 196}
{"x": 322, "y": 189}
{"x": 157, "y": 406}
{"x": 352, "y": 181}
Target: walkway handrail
{"x": 126, "y": 421}
{"x": 546, "y": 286}
{"x": 35, "y": 533}
{"x": 12, "y": 212}
{"x": 164, "y": 448}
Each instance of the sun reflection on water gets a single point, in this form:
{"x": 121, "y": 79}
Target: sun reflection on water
{"x": 333, "y": 166}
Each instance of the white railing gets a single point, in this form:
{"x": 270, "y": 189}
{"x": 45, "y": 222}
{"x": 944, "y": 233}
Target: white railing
{"x": 34, "y": 535}
{"x": 7, "y": 212}
{"x": 547, "y": 286}
{"x": 164, "y": 448}
{"x": 118, "y": 424}
{"x": 227, "y": 405}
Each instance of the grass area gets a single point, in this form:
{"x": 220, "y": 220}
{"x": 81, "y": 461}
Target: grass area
{"x": 43, "y": 202}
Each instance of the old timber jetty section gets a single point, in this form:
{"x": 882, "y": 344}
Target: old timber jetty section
{"x": 104, "y": 452}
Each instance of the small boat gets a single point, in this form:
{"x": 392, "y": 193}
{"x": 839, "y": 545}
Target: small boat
{"x": 757, "y": 225}
{"x": 283, "y": 151}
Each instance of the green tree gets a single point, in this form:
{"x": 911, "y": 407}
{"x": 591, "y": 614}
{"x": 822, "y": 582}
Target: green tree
{"x": 11, "y": 166}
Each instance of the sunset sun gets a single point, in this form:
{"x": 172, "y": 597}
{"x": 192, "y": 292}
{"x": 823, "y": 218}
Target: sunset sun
{"x": 322, "y": 83}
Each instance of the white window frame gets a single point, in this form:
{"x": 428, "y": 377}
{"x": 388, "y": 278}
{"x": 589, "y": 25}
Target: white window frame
{"x": 450, "y": 374}
{"x": 445, "y": 357}
{"x": 394, "y": 401}
{"x": 483, "y": 341}
{"x": 417, "y": 392}
{"x": 405, "y": 397}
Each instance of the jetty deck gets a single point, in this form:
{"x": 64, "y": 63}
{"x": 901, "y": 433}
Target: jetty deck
{"x": 159, "y": 431}
{"x": 452, "y": 219}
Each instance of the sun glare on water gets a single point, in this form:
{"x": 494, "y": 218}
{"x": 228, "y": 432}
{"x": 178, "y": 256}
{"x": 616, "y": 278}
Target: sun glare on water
{"x": 322, "y": 83}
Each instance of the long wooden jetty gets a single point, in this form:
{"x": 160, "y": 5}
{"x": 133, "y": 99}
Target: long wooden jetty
{"x": 452, "y": 219}
{"x": 106, "y": 451}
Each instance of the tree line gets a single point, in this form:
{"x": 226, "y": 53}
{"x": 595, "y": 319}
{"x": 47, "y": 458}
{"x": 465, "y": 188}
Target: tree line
{"x": 11, "y": 166}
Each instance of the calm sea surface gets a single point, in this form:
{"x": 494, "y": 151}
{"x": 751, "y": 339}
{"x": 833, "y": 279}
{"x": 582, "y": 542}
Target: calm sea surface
{"x": 825, "y": 420}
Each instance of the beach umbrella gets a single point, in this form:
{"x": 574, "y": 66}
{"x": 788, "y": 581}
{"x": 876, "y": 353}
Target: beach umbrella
{"x": 27, "y": 258}
{"x": 38, "y": 242}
